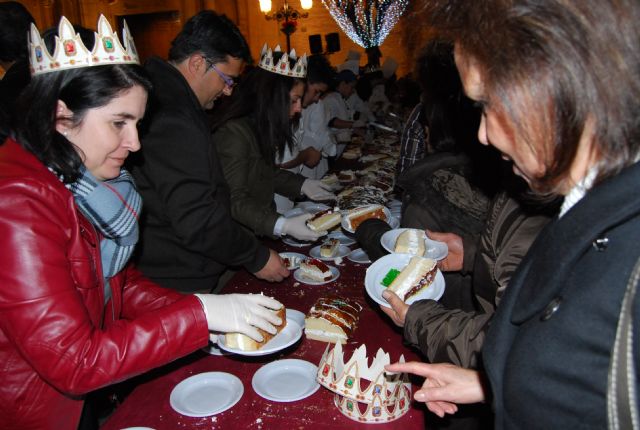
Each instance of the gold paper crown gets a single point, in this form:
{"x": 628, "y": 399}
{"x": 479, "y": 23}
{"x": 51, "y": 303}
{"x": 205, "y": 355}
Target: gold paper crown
{"x": 70, "y": 52}
{"x": 282, "y": 67}
{"x": 386, "y": 397}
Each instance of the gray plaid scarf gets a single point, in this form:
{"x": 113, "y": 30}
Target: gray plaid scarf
{"x": 113, "y": 207}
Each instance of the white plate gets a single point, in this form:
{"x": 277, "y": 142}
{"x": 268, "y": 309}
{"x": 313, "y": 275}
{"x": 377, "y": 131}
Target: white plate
{"x": 312, "y": 207}
{"x": 206, "y": 394}
{"x": 293, "y": 212}
{"x": 345, "y": 222}
{"x": 434, "y": 249}
{"x": 359, "y": 256}
{"x": 287, "y": 337}
{"x": 286, "y": 380}
{"x": 293, "y": 254}
{"x": 212, "y": 349}
{"x": 293, "y": 242}
{"x": 342, "y": 251}
{"x": 394, "y": 222}
{"x": 379, "y": 269}
{"x": 300, "y": 277}
{"x": 343, "y": 238}
{"x": 296, "y": 316}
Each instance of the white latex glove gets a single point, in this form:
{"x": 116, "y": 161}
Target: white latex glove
{"x": 297, "y": 227}
{"x": 317, "y": 190}
{"x": 359, "y": 123}
{"x": 241, "y": 313}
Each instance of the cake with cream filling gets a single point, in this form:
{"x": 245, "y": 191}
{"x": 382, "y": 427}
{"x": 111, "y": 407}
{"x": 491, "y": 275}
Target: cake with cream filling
{"x": 329, "y": 248}
{"x": 324, "y": 220}
{"x": 359, "y": 215}
{"x": 316, "y": 270}
{"x": 332, "y": 319}
{"x": 245, "y": 343}
{"x": 416, "y": 276}
{"x": 410, "y": 241}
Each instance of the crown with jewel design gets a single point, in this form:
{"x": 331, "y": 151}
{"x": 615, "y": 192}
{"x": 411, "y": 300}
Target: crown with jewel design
{"x": 282, "y": 66}
{"x": 71, "y": 53}
{"x": 364, "y": 393}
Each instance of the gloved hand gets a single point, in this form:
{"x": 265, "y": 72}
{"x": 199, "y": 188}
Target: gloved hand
{"x": 297, "y": 227}
{"x": 317, "y": 190}
{"x": 241, "y": 313}
{"x": 359, "y": 123}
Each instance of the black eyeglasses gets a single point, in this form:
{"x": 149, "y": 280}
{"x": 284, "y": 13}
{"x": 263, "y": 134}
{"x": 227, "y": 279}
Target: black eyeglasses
{"x": 228, "y": 80}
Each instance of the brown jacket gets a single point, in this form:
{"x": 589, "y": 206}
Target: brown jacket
{"x": 455, "y": 336}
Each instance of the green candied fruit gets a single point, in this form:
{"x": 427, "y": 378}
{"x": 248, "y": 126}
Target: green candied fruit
{"x": 390, "y": 276}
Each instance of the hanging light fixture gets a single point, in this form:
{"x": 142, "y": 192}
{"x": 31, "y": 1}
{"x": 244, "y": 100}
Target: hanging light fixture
{"x": 306, "y": 4}
{"x": 265, "y": 6}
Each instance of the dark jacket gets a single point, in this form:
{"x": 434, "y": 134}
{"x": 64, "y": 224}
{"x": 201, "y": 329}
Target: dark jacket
{"x": 548, "y": 350}
{"x": 188, "y": 235}
{"x": 58, "y": 339}
{"x": 252, "y": 179}
{"x": 455, "y": 336}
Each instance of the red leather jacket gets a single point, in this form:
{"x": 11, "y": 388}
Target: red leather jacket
{"x": 57, "y": 338}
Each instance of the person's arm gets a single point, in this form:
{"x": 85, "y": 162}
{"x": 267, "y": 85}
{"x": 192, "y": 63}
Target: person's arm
{"x": 412, "y": 141}
{"x": 180, "y": 166}
{"x": 45, "y": 318}
{"x": 310, "y": 157}
{"x": 241, "y": 161}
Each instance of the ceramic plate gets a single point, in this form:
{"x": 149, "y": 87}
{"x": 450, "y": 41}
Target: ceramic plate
{"x": 359, "y": 256}
{"x": 293, "y": 212}
{"x": 343, "y": 238}
{"x": 296, "y": 316}
{"x": 379, "y": 269}
{"x": 206, "y": 394}
{"x": 293, "y": 255}
{"x": 345, "y": 222}
{"x": 311, "y": 207}
{"x": 433, "y": 249}
{"x": 293, "y": 242}
{"x": 342, "y": 251}
{"x": 286, "y": 380}
{"x": 287, "y": 337}
{"x": 300, "y": 277}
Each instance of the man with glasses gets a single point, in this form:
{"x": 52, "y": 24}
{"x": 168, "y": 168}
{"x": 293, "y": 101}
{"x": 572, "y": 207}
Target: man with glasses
{"x": 188, "y": 237}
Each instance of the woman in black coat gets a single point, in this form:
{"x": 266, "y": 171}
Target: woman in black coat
{"x": 558, "y": 83}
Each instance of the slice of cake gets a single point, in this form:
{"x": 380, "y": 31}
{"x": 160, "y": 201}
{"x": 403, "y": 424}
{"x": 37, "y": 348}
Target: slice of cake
{"x": 417, "y": 275}
{"x": 316, "y": 270}
{"x": 411, "y": 241}
{"x": 324, "y": 220}
{"x": 329, "y": 248}
{"x": 359, "y": 215}
{"x": 245, "y": 343}
{"x": 332, "y": 319}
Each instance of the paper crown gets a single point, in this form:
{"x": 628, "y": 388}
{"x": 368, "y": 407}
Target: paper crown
{"x": 283, "y": 67}
{"x": 71, "y": 53}
{"x": 364, "y": 393}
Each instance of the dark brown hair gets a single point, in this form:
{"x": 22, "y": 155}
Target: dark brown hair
{"x": 552, "y": 66}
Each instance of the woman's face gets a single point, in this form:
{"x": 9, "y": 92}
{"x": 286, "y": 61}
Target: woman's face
{"x": 497, "y": 129}
{"x": 106, "y": 135}
{"x": 295, "y": 95}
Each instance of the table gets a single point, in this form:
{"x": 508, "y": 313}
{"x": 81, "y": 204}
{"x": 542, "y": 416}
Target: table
{"x": 148, "y": 404}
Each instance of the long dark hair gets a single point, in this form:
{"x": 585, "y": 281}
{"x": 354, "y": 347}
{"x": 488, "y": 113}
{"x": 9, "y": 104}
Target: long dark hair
{"x": 264, "y": 97}
{"x": 80, "y": 89}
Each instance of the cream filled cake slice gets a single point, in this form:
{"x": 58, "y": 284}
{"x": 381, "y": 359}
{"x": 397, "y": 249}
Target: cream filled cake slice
{"x": 357, "y": 216}
{"x": 417, "y": 275}
{"x": 324, "y": 220}
{"x": 332, "y": 319}
{"x": 411, "y": 241}
{"x": 245, "y": 343}
{"x": 329, "y": 248}
{"x": 314, "y": 269}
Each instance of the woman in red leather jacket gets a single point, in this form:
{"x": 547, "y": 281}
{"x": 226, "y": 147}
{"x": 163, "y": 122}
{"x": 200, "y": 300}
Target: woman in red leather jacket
{"x": 74, "y": 316}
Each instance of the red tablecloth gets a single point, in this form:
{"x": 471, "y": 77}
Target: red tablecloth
{"x": 148, "y": 405}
